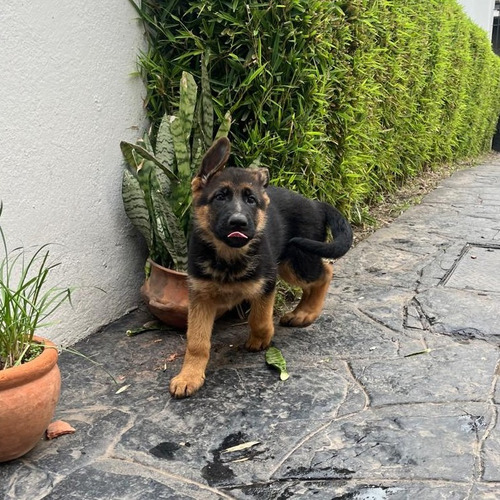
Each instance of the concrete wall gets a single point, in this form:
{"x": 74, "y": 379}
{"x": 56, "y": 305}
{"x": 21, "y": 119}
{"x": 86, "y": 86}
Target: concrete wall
{"x": 67, "y": 98}
{"x": 481, "y": 12}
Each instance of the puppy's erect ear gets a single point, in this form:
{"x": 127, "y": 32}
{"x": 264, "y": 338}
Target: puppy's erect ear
{"x": 262, "y": 176}
{"x": 215, "y": 158}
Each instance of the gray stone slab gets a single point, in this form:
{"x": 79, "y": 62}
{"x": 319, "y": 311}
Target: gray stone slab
{"x": 452, "y": 223}
{"x": 413, "y": 442}
{"x": 375, "y": 263}
{"x": 430, "y": 377}
{"x": 112, "y": 479}
{"x": 338, "y": 490}
{"x": 436, "y": 270}
{"x": 344, "y": 334}
{"x": 485, "y": 491}
{"x": 462, "y": 314}
{"x": 19, "y": 480}
{"x": 457, "y": 258}
{"x": 491, "y": 452}
{"x": 393, "y": 392}
{"x": 482, "y": 175}
{"x": 97, "y": 431}
{"x": 477, "y": 269}
{"x": 480, "y": 195}
{"x": 190, "y": 436}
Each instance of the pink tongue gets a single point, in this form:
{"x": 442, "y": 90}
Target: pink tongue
{"x": 237, "y": 234}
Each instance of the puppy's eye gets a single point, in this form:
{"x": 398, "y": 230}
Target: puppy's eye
{"x": 220, "y": 197}
{"x": 251, "y": 199}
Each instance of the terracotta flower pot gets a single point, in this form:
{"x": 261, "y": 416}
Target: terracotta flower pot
{"x": 28, "y": 397}
{"x": 166, "y": 295}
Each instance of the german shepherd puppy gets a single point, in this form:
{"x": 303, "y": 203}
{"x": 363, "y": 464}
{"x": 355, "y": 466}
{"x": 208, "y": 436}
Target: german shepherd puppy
{"x": 246, "y": 233}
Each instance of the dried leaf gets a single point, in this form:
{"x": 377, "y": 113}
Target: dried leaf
{"x": 150, "y": 325}
{"x": 240, "y": 447}
{"x": 173, "y": 357}
{"x": 123, "y": 388}
{"x": 59, "y": 428}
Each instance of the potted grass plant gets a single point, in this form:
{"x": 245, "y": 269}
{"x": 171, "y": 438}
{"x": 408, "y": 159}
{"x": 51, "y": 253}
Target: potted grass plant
{"x": 156, "y": 189}
{"x": 29, "y": 376}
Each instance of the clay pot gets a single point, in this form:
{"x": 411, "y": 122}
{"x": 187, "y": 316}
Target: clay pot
{"x": 166, "y": 295}
{"x": 28, "y": 397}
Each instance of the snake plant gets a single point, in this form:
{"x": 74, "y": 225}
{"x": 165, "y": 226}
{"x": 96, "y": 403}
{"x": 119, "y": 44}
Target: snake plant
{"x": 156, "y": 181}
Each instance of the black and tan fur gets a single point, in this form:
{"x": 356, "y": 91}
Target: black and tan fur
{"x": 245, "y": 234}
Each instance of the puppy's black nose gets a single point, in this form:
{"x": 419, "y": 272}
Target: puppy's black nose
{"x": 238, "y": 221}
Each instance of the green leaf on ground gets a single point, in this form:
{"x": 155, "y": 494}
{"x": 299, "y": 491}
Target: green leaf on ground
{"x": 275, "y": 358}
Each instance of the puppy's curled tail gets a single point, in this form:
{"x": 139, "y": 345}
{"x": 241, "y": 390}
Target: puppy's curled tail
{"x": 342, "y": 236}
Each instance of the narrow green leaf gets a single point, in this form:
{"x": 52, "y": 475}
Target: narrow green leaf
{"x": 135, "y": 205}
{"x": 127, "y": 149}
{"x": 181, "y": 126}
{"x": 164, "y": 150}
{"x": 224, "y": 126}
{"x": 169, "y": 231}
{"x": 197, "y": 153}
{"x": 168, "y": 241}
{"x": 425, "y": 351}
{"x": 205, "y": 106}
{"x": 128, "y": 153}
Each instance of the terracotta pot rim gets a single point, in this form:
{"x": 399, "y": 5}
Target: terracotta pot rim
{"x": 177, "y": 273}
{"x": 18, "y": 375}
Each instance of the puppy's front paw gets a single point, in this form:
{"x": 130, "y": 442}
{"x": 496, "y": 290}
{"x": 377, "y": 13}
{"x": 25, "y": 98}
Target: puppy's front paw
{"x": 183, "y": 386}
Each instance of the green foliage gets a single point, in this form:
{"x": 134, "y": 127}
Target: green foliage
{"x": 25, "y": 301}
{"x": 419, "y": 91}
{"x": 156, "y": 181}
{"x": 272, "y": 81}
{"x": 275, "y": 358}
{"x": 342, "y": 99}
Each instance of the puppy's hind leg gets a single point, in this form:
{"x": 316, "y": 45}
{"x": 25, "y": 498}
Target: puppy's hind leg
{"x": 313, "y": 295}
{"x": 261, "y": 322}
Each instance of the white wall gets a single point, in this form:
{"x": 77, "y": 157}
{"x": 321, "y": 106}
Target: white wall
{"x": 481, "y": 12}
{"x": 67, "y": 98}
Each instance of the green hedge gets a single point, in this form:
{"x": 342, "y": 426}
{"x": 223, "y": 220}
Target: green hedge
{"x": 343, "y": 100}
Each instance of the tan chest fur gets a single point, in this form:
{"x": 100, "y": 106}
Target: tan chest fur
{"x": 227, "y": 295}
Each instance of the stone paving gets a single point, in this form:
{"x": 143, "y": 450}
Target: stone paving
{"x": 393, "y": 393}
